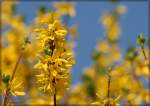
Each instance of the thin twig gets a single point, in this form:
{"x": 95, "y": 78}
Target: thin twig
{"x": 108, "y": 92}
{"x": 16, "y": 66}
{"x": 55, "y": 103}
{"x": 108, "y": 89}
{"x": 5, "y": 97}
{"x": 12, "y": 77}
{"x": 142, "y": 47}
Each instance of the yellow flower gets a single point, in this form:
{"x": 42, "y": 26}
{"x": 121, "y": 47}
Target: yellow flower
{"x": 113, "y": 32}
{"x": 55, "y": 57}
{"x": 107, "y": 20}
{"x": 121, "y": 9}
{"x": 107, "y": 102}
{"x": 142, "y": 68}
{"x": 65, "y": 8}
{"x": 16, "y": 88}
{"x": 73, "y": 31}
{"x": 103, "y": 46}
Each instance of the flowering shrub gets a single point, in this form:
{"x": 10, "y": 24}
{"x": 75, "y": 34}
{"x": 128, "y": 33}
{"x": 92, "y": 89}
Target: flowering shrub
{"x": 37, "y": 60}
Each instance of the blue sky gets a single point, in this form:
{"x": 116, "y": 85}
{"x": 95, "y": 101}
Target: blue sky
{"x": 91, "y": 31}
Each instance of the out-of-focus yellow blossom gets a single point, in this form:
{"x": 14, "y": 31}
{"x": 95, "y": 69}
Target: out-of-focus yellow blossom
{"x": 111, "y": 24}
{"x": 113, "y": 32}
{"x": 142, "y": 68}
{"x": 138, "y": 98}
{"x": 90, "y": 72}
{"x": 115, "y": 53}
{"x": 101, "y": 89}
{"x": 108, "y": 102}
{"x": 103, "y": 46}
{"x": 16, "y": 88}
{"x": 73, "y": 31}
{"x": 133, "y": 98}
{"x": 34, "y": 98}
{"x": 145, "y": 95}
{"x": 7, "y": 11}
{"x": 46, "y": 18}
{"x": 104, "y": 60}
{"x": 55, "y": 59}
{"x": 121, "y": 9}
{"x": 75, "y": 99}
{"x": 8, "y": 59}
{"x": 107, "y": 20}
{"x": 65, "y": 8}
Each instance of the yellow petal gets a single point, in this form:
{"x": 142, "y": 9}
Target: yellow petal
{"x": 18, "y": 93}
{"x": 61, "y": 32}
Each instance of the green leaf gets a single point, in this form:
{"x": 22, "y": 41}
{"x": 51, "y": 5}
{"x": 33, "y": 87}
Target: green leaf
{"x": 13, "y": 7}
{"x": 42, "y": 9}
{"x": 23, "y": 18}
{"x": 101, "y": 71}
{"x": 95, "y": 55}
{"x": 91, "y": 89}
{"x": 114, "y": 1}
{"x": 86, "y": 78}
{"x": 131, "y": 54}
{"x": 27, "y": 41}
{"x": 47, "y": 51}
{"x": 5, "y": 78}
{"x": 140, "y": 39}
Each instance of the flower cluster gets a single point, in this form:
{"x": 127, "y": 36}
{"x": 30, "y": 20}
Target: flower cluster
{"x": 55, "y": 58}
{"x": 111, "y": 24}
{"x": 50, "y": 58}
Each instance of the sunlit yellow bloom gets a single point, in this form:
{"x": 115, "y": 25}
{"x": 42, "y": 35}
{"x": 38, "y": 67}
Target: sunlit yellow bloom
{"x": 108, "y": 102}
{"x": 108, "y": 20}
{"x": 103, "y": 46}
{"x": 14, "y": 88}
{"x": 142, "y": 68}
{"x": 65, "y": 8}
{"x": 113, "y": 32}
{"x": 121, "y": 9}
{"x": 9, "y": 58}
{"x": 73, "y": 31}
{"x": 75, "y": 99}
{"x": 55, "y": 58}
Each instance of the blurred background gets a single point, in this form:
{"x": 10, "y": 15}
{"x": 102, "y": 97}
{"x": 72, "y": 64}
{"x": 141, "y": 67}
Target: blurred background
{"x": 88, "y": 13}
{"x": 91, "y": 30}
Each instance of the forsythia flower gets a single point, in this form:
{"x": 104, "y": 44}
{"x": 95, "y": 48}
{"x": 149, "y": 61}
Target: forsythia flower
{"x": 108, "y": 102}
{"x": 111, "y": 24}
{"x": 121, "y": 9}
{"x": 55, "y": 58}
{"x": 16, "y": 88}
{"x": 65, "y": 8}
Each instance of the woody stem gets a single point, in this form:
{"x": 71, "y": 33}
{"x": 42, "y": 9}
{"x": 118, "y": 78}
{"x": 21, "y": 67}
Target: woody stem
{"x": 55, "y": 103}
{"x": 12, "y": 77}
{"x": 108, "y": 90}
{"x": 55, "y": 99}
{"x": 142, "y": 47}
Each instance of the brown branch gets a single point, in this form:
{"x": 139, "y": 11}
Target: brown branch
{"x": 55, "y": 104}
{"x": 16, "y": 66}
{"x": 142, "y": 47}
{"x": 54, "y": 97}
{"x": 108, "y": 89}
{"x": 12, "y": 77}
{"x": 5, "y": 97}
